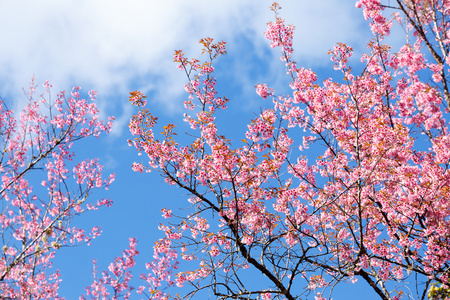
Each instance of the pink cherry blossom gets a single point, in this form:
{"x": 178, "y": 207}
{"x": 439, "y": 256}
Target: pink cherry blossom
{"x": 336, "y": 181}
{"x": 36, "y": 220}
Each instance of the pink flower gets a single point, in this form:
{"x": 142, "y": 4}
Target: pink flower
{"x": 137, "y": 167}
{"x": 263, "y": 91}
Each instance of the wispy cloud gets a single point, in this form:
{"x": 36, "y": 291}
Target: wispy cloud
{"x": 115, "y": 46}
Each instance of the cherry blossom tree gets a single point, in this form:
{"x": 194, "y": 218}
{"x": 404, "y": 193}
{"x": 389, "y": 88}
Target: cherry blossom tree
{"x": 44, "y": 187}
{"x": 335, "y": 182}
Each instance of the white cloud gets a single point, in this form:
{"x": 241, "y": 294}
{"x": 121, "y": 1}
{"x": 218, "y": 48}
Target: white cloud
{"x": 113, "y": 46}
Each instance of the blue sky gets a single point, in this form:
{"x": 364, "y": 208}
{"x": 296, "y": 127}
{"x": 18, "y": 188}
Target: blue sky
{"x": 116, "y": 47}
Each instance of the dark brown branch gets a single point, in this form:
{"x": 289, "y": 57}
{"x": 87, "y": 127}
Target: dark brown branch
{"x": 239, "y": 243}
